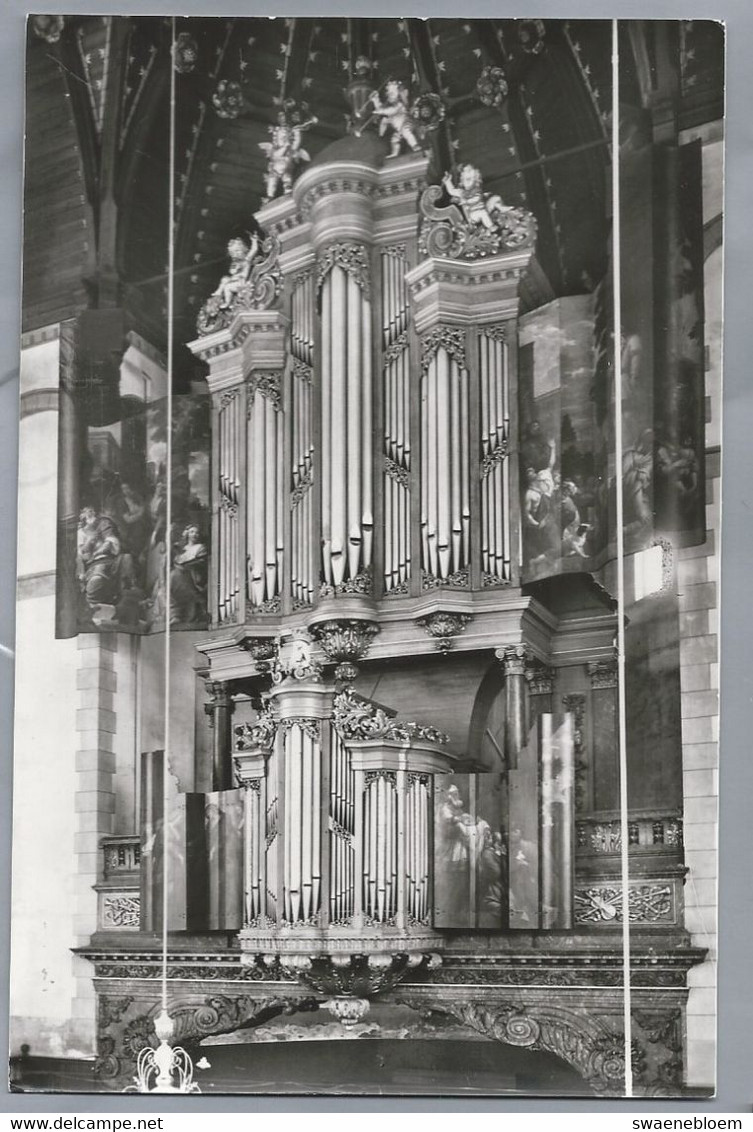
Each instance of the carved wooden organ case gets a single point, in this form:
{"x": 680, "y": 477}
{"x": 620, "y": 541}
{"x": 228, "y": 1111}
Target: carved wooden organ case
{"x": 364, "y": 412}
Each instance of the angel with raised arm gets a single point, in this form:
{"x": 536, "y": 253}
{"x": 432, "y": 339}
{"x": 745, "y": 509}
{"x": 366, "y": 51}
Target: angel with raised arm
{"x": 242, "y": 255}
{"x": 477, "y": 206}
{"x": 284, "y": 152}
{"x": 394, "y": 115}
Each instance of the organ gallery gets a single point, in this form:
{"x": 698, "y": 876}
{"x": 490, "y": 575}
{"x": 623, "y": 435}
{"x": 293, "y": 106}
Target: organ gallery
{"x": 333, "y": 545}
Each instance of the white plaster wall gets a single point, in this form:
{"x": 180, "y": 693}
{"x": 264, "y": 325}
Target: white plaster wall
{"x": 42, "y": 906}
{"x": 698, "y": 576}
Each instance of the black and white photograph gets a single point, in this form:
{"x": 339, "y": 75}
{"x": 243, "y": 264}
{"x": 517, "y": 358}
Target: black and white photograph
{"x": 367, "y": 656}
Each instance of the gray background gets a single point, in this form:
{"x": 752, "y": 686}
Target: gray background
{"x": 735, "y": 1065}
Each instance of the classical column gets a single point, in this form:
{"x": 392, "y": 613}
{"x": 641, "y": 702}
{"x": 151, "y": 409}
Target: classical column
{"x": 514, "y": 658}
{"x": 219, "y": 710}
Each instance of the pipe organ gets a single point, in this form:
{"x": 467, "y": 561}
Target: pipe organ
{"x": 338, "y": 815}
{"x": 377, "y": 381}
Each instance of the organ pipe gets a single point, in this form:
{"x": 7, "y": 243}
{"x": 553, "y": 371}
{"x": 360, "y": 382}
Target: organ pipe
{"x": 264, "y": 506}
{"x": 229, "y": 456}
{"x": 347, "y": 520}
{"x": 495, "y": 471}
{"x": 445, "y": 478}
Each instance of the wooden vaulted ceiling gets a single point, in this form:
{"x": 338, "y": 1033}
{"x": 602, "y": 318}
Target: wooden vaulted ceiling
{"x": 98, "y": 142}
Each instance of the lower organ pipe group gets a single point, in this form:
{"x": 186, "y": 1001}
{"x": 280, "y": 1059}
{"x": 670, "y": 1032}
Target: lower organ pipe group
{"x": 302, "y": 842}
{"x": 342, "y": 879}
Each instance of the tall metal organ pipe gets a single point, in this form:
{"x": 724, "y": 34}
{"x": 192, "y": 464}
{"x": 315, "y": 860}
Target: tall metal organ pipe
{"x": 346, "y": 369}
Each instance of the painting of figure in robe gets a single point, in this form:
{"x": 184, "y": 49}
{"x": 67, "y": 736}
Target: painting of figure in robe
{"x": 470, "y": 852}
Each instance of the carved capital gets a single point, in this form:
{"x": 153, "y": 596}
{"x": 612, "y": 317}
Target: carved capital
{"x": 603, "y": 673}
{"x": 514, "y": 659}
{"x": 540, "y": 678}
{"x": 444, "y": 627}
{"x": 344, "y": 642}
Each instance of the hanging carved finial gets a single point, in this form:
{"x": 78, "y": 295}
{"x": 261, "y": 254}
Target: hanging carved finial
{"x": 285, "y": 150}
{"x": 344, "y": 642}
{"x": 475, "y": 224}
{"x": 444, "y": 627}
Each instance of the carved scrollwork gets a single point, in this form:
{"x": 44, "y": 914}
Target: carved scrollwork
{"x": 597, "y": 1055}
{"x": 351, "y": 257}
{"x": 258, "y": 292}
{"x": 396, "y": 472}
{"x": 395, "y": 349}
{"x": 449, "y": 338}
{"x": 361, "y": 584}
{"x": 602, "y": 904}
{"x": 311, "y": 727}
{"x": 356, "y": 719}
{"x": 259, "y": 735}
{"x": 459, "y": 580}
{"x": 490, "y": 461}
{"x": 269, "y": 384}
{"x": 479, "y": 225}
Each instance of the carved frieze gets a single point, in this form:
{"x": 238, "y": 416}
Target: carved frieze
{"x": 120, "y": 911}
{"x": 648, "y": 903}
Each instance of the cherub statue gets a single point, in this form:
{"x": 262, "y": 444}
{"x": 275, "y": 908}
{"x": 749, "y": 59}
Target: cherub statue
{"x": 242, "y": 255}
{"x": 478, "y": 207}
{"x": 284, "y": 152}
{"x": 394, "y": 115}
